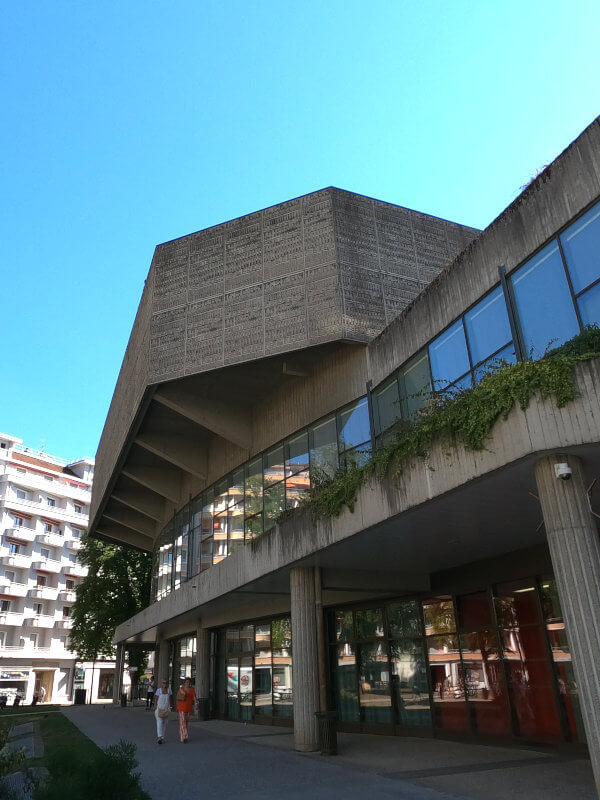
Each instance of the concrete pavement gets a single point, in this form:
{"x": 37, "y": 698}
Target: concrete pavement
{"x": 229, "y": 760}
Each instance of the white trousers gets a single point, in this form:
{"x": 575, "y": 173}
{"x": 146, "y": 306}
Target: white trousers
{"x": 161, "y": 725}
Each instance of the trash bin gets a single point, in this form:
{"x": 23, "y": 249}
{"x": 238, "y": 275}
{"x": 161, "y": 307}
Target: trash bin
{"x": 327, "y": 732}
{"x": 79, "y": 699}
{"x": 124, "y": 700}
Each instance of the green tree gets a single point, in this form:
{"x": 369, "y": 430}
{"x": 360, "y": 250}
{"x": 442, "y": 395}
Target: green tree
{"x": 117, "y": 587}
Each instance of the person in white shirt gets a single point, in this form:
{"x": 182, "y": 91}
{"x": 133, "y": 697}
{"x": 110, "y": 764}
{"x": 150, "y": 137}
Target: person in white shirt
{"x": 162, "y": 709}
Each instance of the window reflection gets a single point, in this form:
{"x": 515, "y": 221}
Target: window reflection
{"x": 581, "y": 246}
{"x": 448, "y": 356}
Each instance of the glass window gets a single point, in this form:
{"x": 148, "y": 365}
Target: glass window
{"x": 544, "y": 302}
{"x": 589, "y": 306}
{"x": 581, "y": 246}
{"x": 323, "y": 450}
{"x": 369, "y": 623}
{"x": 354, "y": 428}
{"x": 404, "y": 619}
{"x": 374, "y": 683}
{"x": 236, "y": 487}
{"x": 488, "y": 328}
{"x": 415, "y": 383}
{"x": 296, "y": 459}
{"x": 386, "y": 406}
{"x": 448, "y": 356}
{"x": 506, "y": 356}
{"x": 254, "y": 487}
{"x": 274, "y": 503}
{"x": 274, "y": 466}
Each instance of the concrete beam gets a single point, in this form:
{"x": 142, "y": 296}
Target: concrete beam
{"x": 374, "y": 580}
{"x": 177, "y": 450}
{"x": 130, "y": 519}
{"x": 119, "y": 534}
{"x": 143, "y": 500}
{"x": 162, "y": 481}
{"x": 227, "y": 420}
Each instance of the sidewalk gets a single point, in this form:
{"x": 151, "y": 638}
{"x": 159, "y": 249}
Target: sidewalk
{"x": 227, "y": 760}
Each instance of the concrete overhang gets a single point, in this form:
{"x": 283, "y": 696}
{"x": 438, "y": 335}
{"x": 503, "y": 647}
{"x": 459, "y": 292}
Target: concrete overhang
{"x": 455, "y": 507}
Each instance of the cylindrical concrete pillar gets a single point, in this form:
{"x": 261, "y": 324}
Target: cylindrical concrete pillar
{"x": 162, "y": 663}
{"x": 118, "y": 679}
{"x": 575, "y": 553}
{"x": 203, "y": 671}
{"x": 305, "y": 658}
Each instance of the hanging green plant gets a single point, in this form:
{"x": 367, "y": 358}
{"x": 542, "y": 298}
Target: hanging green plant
{"x": 467, "y": 416}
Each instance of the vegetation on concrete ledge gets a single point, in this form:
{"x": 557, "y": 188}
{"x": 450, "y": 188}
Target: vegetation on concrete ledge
{"x": 466, "y": 416}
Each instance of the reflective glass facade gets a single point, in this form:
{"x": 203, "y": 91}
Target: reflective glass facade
{"x": 550, "y": 297}
{"x": 493, "y": 662}
{"x": 253, "y": 671}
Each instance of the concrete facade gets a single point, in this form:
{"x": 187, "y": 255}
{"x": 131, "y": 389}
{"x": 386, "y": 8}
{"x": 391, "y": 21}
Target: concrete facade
{"x": 457, "y": 529}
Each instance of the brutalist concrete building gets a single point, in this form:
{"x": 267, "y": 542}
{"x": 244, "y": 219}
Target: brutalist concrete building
{"x": 277, "y": 350}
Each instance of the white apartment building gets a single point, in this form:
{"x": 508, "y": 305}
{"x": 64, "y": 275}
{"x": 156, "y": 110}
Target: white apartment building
{"x": 44, "y": 504}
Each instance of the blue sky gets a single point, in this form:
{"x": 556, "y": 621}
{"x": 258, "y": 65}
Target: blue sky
{"x": 125, "y": 124}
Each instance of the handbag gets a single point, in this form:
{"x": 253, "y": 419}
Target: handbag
{"x": 163, "y": 708}
{"x": 163, "y": 713}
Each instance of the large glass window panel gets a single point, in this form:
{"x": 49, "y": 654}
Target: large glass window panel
{"x": 296, "y": 487}
{"x": 344, "y": 626}
{"x": 506, "y": 356}
{"x": 274, "y": 503}
{"x": 448, "y": 356}
{"x": 561, "y": 656}
{"x": 410, "y": 689}
{"x": 369, "y": 623}
{"x": 253, "y": 526}
{"x": 353, "y": 424}
{"x": 530, "y": 679}
{"x": 544, "y": 303}
{"x": 488, "y": 328}
{"x": 415, "y": 385}
{"x": 206, "y": 553}
{"x": 274, "y": 466}
{"x": 236, "y": 487}
{"x": 221, "y": 500}
{"x": 439, "y": 616}
{"x": 386, "y": 406}
{"x": 220, "y": 537}
{"x": 323, "y": 450}
{"x": 254, "y": 487}
{"x": 374, "y": 684}
{"x": 263, "y": 681}
{"x": 283, "y": 689}
{"x": 581, "y": 246}
{"x": 196, "y": 511}
{"x": 404, "y": 619}
{"x": 345, "y": 683}
{"x": 447, "y": 684}
{"x": 235, "y": 524}
{"x": 356, "y": 457}
{"x": 589, "y": 306}
{"x": 296, "y": 454}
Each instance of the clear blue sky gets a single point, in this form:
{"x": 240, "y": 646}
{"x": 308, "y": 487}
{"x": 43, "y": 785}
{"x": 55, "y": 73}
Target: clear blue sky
{"x": 125, "y": 124}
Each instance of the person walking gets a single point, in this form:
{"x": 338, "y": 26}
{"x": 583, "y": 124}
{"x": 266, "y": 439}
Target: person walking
{"x": 150, "y": 692}
{"x": 186, "y": 700}
{"x": 162, "y": 709}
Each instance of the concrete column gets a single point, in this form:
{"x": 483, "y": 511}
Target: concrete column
{"x": 162, "y": 662}
{"x": 203, "y": 671}
{"x": 575, "y": 552}
{"x": 305, "y": 658}
{"x": 118, "y": 681}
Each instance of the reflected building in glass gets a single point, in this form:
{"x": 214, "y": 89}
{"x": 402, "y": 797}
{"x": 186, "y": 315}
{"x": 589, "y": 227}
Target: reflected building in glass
{"x": 278, "y": 352}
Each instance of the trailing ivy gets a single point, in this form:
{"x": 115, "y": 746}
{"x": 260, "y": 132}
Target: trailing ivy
{"x": 466, "y": 416}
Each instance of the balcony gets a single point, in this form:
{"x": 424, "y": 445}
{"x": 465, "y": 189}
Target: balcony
{"x": 66, "y": 623}
{"x": 21, "y": 533}
{"x": 11, "y": 588}
{"x": 18, "y": 651}
{"x": 46, "y": 565}
{"x": 67, "y": 595}
{"x": 44, "y": 593}
{"x": 75, "y": 569}
{"x": 73, "y": 544}
{"x": 38, "y": 620}
{"x": 11, "y": 618}
{"x": 42, "y": 509}
{"x": 53, "y": 539}
{"x": 61, "y": 487}
{"x": 16, "y": 560}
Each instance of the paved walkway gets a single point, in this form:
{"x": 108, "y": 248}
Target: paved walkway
{"x": 231, "y": 760}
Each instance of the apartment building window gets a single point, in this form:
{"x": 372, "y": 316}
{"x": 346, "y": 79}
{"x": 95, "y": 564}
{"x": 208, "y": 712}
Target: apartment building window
{"x": 33, "y": 640}
{"x": 41, "y": 581}
{"x": 4, "y": 606}
{"x": 2, "y": 638}
{"x": 21, "y": 495}
{"x": 9, "y": 575}
{"x": 48, "y": 478}
{"x": 38, "y": 609}
{"x": 45, "y": 553}
{"x": 51, "y": 502}
{"x": 76, "y": 533}
{"x": 65, "y": 642}
{"x": 72, "y": 557}
{"x": 78, "y": 509}
{"x": 14, "y": 549}
{"x": 47, "y": 527}
{"x": 17, "y": 521}
{"x": 66, "y": 612}
{"x": 69, "y": 584}
{"x": 21, "y": 470}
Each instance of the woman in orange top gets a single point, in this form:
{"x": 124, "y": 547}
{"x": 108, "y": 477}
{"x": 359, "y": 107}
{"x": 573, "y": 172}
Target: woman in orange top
{"x": 186, "y": 700}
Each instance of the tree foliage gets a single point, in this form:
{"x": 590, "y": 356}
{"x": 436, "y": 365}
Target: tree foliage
{"x": 117, "y": 587}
